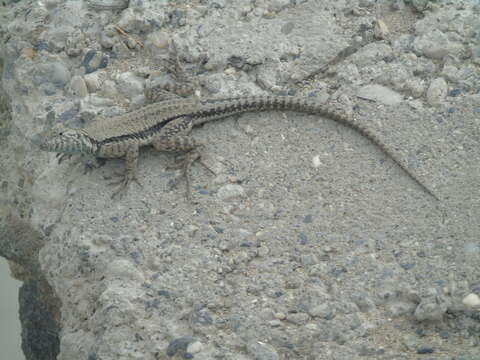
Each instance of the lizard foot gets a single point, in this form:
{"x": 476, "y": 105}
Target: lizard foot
{"x": 92, "y": 164}
{"x": 61, "y": 157}
{"x": 123, "y": 182}
{"x": 185, "y": 164}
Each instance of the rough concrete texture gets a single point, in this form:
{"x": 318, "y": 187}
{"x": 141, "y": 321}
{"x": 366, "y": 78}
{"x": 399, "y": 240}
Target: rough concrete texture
{"x": 309, "y": 243}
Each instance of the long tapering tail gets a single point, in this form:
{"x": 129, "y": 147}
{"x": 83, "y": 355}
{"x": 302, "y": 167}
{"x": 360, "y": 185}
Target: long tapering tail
{"x": 212, "y": 109}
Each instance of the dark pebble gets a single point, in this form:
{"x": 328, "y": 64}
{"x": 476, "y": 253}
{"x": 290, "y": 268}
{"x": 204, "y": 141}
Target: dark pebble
{"x": 425, "y": 350}
{"x": 444, "y": 334}
{"x": 94, "y": 60}
{"x": 165, "y": 293}
{"x": 179, "y": 344}
{"x": 302, "y": 239}
{"x": 218, "y": 230}
{"x": 407, "y": 266}
{"x": 308, "y": 219}
{"x": 454, "y": 92}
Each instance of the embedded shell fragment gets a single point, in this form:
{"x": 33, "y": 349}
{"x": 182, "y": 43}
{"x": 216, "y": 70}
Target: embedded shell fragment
{"x": 108, "y": 4}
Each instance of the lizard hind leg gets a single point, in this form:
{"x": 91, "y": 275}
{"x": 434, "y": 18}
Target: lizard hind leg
{"x": 192, "y": 150}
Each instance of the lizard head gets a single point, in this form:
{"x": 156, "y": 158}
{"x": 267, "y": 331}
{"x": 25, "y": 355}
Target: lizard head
{"x": 65, "y": 140}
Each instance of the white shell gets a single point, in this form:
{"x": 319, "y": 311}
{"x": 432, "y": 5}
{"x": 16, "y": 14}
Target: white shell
{"x": 108, "y": 4}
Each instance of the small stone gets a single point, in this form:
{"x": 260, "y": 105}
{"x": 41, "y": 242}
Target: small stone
{"x": 108, "y": 4}
{"x": 425, "y": 350}
{"x": 324, "y": 311}
{"x": 94, "y": 60}
{"x": 93, "y": 81}
{"x": 280, "y": 316}
{"x": 364, "y": 302}
{"x": 471, "y": 300}
{"x": 129, "y": 21}
{"x": 380, "y": 94}
{"x": 57, "y": 73}
{"x": 435, "y": 45}
{"x": 109, "y": 89}
{"x": 179, "y": 344}
{"x": 77, "y": 87}
{"x": 380, "y": 29}
{"x": 437, "y": 91}
{"x": 430, "y": 309}
{"x": 29, "y": 52}
{"x": 75, "y": 43}
{"x": 195, "y": 347}
{"x": 316, "y": 162}
{"x": 231, "y": 191}
{"x": 106, "y": 41}
{"x": 415, "y": 87}
{"x": 158, "y": 39}
{"x": 275, "y": 323}
{"x": 129, "y": 84}
{"x": 260, "y": 350}
{"x": 298, "y": 318}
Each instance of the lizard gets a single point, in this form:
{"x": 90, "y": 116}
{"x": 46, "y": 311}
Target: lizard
{"x": 166, "y": 126}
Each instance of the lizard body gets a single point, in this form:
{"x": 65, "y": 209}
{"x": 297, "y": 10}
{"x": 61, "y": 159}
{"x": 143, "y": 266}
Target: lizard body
{"x": 165, "y": 125}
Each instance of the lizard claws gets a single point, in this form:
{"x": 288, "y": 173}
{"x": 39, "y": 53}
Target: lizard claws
{"x": 185, "y": 164}
{"x": 123, "y": 183}
{"x": 61, "y": 157}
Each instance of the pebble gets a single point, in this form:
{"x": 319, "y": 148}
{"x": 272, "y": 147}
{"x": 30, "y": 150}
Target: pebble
{"x": 179, "y": 344}
{"x": 128, "y": 20}
{"x": 108, "y": 4}
{"x": 471, "y": 300}
{"x": 437, "y": 91}
{"x": 109, "y": 89}
{"x": 275, "y": 323}
{"x": 93, "y": 81}
{"x": 195, "y": 347}
{"x": 380, "y": 29}
{"x": 363, "y": 302}
{"x": 380, "y": 94}
{"x": 430, "y": 309}
{"x": 106, "y": 41}
{"x": 231, "y": 191}
{"x": 158, "y": 39}
{"x": 425, "y": 350}
{"x": 260, "y": 350}
{"x": 415, "y": 87}
{"x": 77, "y": 87}
{"x": 298, "y": 318}
{"x": 75, "y": 43}
{"x": 129, "y": 84}
{"x": 94, "y": 60}
{"x": 434, "y": 45}
{"x": 324, "y": 311}
{"x": 55, "y": 73}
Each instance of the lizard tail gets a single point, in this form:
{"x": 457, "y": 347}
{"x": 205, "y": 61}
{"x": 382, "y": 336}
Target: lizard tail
{"x": 212, "y": 109}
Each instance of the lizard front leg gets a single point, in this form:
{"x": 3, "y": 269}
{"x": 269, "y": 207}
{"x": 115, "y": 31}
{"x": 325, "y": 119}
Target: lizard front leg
{"x": 130, "y": 174}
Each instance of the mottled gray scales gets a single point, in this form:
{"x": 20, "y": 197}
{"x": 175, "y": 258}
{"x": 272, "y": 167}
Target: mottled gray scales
{"x": 167, "y": 124}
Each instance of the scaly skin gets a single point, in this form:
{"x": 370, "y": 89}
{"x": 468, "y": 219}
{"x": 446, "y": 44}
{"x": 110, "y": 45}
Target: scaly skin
{"x": 166, "y": 125}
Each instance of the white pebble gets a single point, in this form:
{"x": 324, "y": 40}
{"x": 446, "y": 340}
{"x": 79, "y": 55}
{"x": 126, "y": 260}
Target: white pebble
{"x": 471, "y": 300}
